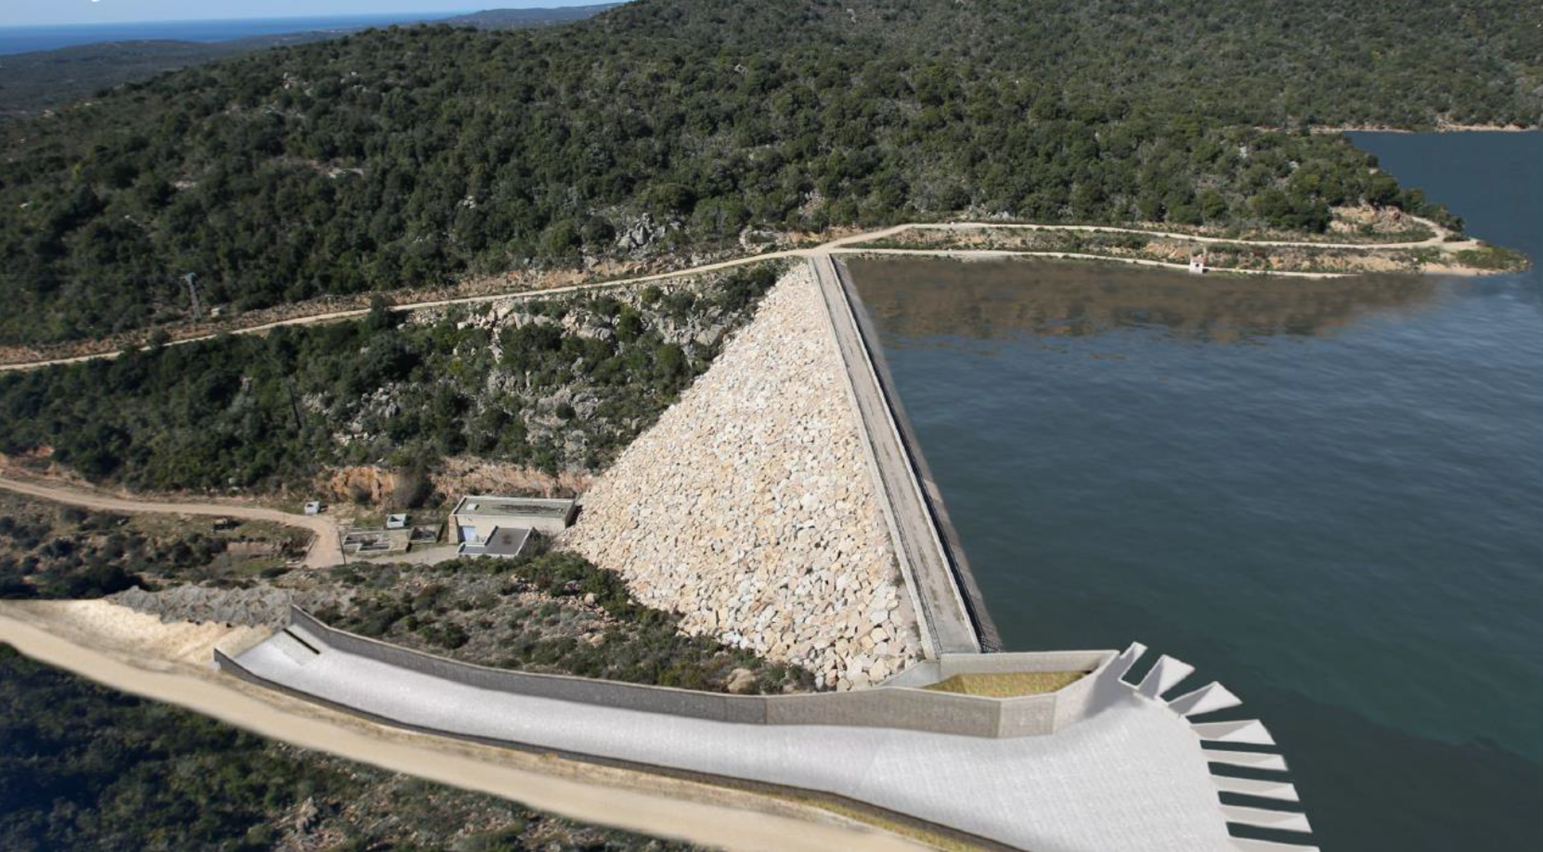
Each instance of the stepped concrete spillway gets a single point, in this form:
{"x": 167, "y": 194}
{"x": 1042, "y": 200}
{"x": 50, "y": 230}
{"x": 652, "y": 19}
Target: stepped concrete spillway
{"x": 1127, "y": 773}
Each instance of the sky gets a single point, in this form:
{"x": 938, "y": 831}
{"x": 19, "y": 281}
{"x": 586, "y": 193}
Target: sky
{"x": 17, "y": 13}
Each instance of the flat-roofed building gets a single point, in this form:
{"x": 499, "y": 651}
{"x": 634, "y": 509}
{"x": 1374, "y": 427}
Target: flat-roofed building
{"x": 476, "y": 516}
{"x": 503, "y": 542}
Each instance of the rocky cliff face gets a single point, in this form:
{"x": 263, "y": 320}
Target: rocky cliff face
{"x": 749, "y": 507}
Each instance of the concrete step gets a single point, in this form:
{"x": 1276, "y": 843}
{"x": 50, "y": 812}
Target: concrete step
{"x": 294, "y": 647}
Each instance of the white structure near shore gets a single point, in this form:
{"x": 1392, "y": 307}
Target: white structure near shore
{"x": 475, "y": 517}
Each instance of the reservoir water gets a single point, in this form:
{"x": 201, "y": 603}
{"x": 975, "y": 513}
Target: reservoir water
{"x": 1326, "y": 495}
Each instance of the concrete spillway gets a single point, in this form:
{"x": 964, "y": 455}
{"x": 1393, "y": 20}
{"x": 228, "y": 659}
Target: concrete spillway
{"x": 1131, "y": 775}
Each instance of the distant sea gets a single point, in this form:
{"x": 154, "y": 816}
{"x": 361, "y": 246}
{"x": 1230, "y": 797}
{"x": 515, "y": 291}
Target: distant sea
{"x": 27, "y": 39}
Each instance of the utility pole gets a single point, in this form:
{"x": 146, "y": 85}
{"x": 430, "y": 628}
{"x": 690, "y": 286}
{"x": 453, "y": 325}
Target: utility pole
{"x": 193, "y": 295}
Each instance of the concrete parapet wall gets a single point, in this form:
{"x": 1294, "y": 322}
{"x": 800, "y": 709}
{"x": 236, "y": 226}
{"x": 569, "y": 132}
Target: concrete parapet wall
{"x": 1032, "y": 715}
{"x": 881, "y": 707}
{"x": 1081, "y": 699}
{"x": 890, "y": 707}
{"x": 651, "y": 699}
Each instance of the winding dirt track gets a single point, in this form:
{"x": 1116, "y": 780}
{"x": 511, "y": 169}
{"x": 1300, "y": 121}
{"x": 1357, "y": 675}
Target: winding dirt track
{"x": 325, "y": 550}
{"x": 842, "y": 244}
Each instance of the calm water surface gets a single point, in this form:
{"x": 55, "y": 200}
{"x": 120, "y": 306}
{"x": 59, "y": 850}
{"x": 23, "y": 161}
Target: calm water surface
{"x": 1326, "y": 495}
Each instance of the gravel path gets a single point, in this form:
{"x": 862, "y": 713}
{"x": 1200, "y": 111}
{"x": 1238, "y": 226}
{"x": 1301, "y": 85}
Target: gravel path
{"x": 325, "y": 549}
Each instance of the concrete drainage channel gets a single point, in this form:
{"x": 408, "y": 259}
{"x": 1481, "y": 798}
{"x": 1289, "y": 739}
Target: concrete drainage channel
{"x": 839, "y": 804}
{"x": 1027, "y": 772}
{"x": 905, "y": 705}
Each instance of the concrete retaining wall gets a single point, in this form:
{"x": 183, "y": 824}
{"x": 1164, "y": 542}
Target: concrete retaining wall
{"x": 883, "y": 707}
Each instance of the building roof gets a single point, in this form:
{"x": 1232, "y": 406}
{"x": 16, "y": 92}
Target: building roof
{"x": 502, "y": 541}
{"x": 513, "y": 506}
{"x": 507, "y": 541}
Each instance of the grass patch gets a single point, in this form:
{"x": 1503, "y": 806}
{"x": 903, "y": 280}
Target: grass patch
{"x": 1007, "y": 684}
{"x": 1493, "y": 258}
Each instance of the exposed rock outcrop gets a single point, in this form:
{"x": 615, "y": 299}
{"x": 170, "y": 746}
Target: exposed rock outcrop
{"x": 749, "y": 507}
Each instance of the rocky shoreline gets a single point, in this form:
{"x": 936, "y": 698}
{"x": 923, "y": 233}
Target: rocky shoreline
{"x": 749, "y": 507}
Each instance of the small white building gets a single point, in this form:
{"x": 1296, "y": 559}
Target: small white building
{"x": 396, "y": 521}
{"x": 313, "y": 507}
{"x": 475, "y": 517}
{"x": 1197, "y": 264}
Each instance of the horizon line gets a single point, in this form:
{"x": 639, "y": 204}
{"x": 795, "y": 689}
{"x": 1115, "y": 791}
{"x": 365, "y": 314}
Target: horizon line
{"x": 305, "y": 17}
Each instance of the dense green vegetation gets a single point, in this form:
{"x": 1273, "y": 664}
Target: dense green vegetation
{"x": 411, "y": 157}
{"x": 85, "y": 768}
{"x": 1271, "y": 63}
{"x": 47, "y": 79}
{"x": 48, "y": 550}
{"x": 564, "y": 384}
{"x": 552, "y": 612}
{"x": 35, "y": 562}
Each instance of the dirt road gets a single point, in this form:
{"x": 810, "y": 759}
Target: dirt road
{"x": 1438, "y": 240}
{"x": 325, "y": 550}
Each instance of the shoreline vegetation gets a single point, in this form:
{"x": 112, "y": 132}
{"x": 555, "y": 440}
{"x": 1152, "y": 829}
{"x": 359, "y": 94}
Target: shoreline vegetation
{"x": 1439, "y": 128}
{"x": 1463, "y": 257}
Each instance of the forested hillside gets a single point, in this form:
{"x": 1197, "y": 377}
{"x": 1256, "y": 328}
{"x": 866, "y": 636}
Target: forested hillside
{"x": 560, "y": 384}
{"x": 1249, "y": 62}
{"x": 413, "y": 157}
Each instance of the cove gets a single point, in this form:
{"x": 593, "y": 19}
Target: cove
{"x": 1326, "y": 495}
